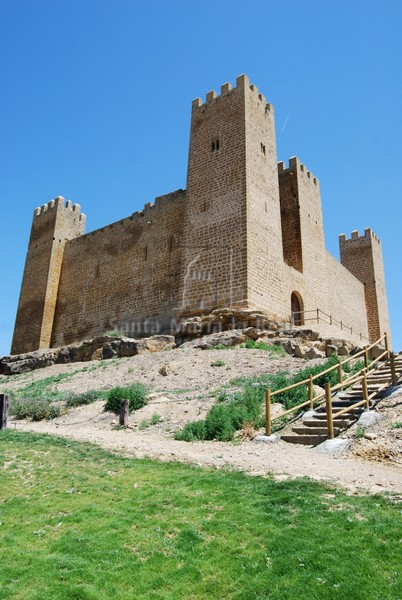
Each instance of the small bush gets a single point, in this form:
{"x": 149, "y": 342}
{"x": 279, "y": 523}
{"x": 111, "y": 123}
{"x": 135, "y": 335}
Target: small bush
{"x": 115, "y": 333}
{"x": 396, "y": 425}
{"x": 135, "y": 394}
{"x": 253, "y": 345}
{"x": 82, "y": 399}
{"x": 144, "y": 425}
{"x": 155, "y": 419}
{"x": 360, "y": 432}
{"x": 218, "y": 363}
{"x": 191, "y": 432}
{"x": 36, "y": 409}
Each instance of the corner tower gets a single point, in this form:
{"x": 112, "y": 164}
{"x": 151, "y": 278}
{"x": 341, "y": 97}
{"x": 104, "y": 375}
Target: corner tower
{"x": 232, "y": 213}
{"x": 53, "y": 224}
{"x": 362, "y": 256}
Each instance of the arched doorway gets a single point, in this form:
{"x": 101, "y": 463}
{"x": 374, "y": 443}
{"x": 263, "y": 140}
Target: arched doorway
{"x": 297, "y": 309}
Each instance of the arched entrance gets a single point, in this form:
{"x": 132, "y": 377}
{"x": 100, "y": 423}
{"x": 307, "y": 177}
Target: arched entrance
{"x": 297, "y": 308}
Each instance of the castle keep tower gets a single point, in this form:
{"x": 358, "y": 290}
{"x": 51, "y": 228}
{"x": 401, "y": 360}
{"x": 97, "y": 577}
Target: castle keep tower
{"x": 362, "y": 256}
{"x": 53, "y": 224}
{"x": 231, "y": 199}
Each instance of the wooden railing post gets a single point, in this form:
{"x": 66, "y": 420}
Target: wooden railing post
{"x": 366, "y": 357}
{"x": 386, "y": 344}
{"x": 310, "y": 390}
{"x": 328, "y": 403}
{"x": 268, "y": 412}
{"x": 318, "y": 315}
{"x": 394, "y": 378}
{"x": 365, "y": 391}
{"x": 340, "y": 373}
{"x": 3, "y": 410}
{"x": 123, "y": 420}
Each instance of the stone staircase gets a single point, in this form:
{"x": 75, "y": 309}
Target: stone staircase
{"x": 313, "y": 428}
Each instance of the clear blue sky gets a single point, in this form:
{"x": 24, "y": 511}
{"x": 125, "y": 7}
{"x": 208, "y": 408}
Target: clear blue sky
{"x": 96, "y": 97}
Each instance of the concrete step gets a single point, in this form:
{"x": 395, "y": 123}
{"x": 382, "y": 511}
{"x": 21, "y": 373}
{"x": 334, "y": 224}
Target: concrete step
{"x": 319, "y": 422}
{"x": 308, "y": 440}
{"x": 353, "y": 412}
{"x": 343, "y": 402}
{"x": 314, "y": 430}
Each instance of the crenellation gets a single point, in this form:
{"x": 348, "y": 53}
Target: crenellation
{"x": 226, "y": 88}
{"x": 211, "y": 96}
{"x": 247, "y": 232}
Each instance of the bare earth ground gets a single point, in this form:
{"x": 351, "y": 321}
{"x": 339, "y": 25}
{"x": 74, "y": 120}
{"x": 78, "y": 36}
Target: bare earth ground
{"x": 186, "y": 394}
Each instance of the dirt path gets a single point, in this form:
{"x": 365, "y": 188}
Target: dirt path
{"x": 280, "y": 459}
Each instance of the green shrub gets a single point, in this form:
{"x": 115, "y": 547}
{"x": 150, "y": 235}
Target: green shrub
{"x": 253, "y": 345}
{"x": 135, "y": 394}
{"x": 82, "y": 399}
{"x": 360, "y": 432}
{"x": 36, "y": 409}
{"x": 218, "y": 363}
{"x": 155, "y": 419}
{"x": 191, "y": 432}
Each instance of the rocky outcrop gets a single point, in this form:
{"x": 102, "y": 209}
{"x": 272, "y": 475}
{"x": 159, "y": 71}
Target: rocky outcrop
{"x": 226, "y": 319}
{"x": 101, "y": 347}
{"x": 255, "y": 327}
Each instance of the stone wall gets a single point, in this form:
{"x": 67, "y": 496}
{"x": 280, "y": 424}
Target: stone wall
{"x": 346, "y": 298}
{"x": 124, "y": 276}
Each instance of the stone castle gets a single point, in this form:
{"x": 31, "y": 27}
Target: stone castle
{"x": 246, "y": 233}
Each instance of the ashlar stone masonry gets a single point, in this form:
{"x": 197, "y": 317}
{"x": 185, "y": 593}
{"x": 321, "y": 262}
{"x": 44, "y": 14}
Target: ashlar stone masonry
{"x": 247, "y": 233}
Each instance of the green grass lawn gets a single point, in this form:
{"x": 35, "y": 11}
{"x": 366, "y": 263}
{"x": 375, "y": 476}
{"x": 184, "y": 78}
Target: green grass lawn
{"x": 79, "y": 523}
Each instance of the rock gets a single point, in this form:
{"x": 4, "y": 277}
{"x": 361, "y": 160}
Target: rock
{"x": 156, "y": 343}
{"x": 108, "y": 351}
{"x": 300, "y": 351}
{"x": 168, "y": 369}
{"x": 22, "y": 363}
{"x": 266, "y": 439}
{"x": 128, "y": 347}
{"x": 330, "y": 349}
{"x": 290, "y": 347}
{"x": 309, "y": 414}
{"x": 368, "y": 418}
{"x": 345, "y": 349}
{"x": 335, "y": 446}
{"x": 222, "y": 338}
{"x": 376, "y": 351}
{"x": 369, "y": 435}
{"x": 253, "y": 333}
{"x": 68, "y": 354}
{"x": 314, "y": 353}
{"x": 317, "y": 390}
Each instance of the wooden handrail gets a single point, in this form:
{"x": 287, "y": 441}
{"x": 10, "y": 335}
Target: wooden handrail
{"x": 316, "y": 312}
{"x": 341, "y": 385}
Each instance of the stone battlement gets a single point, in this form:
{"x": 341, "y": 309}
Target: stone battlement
{"x": 295, "y": 163}
{"x": 59, "y": 204}
{"x": 242, "y": 82}
{"x": 368, "y": 236}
